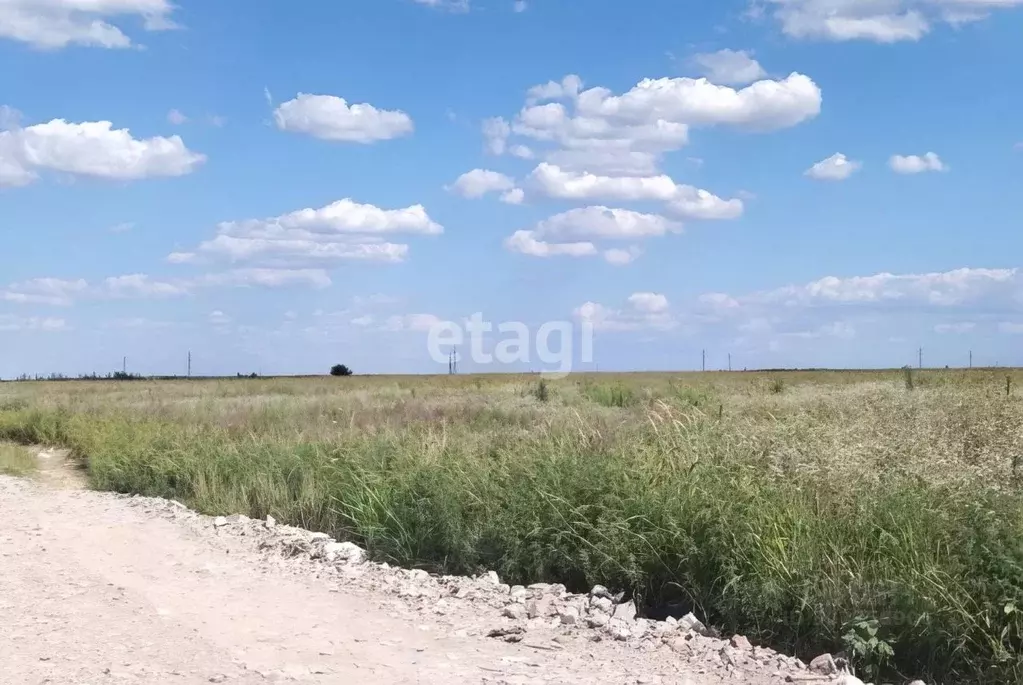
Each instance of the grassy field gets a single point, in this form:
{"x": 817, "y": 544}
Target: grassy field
{"x": 811, "y": 511}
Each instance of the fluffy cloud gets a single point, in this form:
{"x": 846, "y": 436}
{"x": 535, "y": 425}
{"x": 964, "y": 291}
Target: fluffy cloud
{"x": 51, "y": 291}
{"x": 837, "y": 167}
{"x": 916, "y": 164}
{"x": 620, "y": 257}
{"x": 604, "y": 223}
{"x": 650, "y": 303}
{"x": 342, "y": 231}
{"x": 731, "y": 67}
{"x": 331, "y": 118}
{"x": 641, "y": 311}
{"x": 939, "y": 289}
{"x": 176, "y": 117}
{"x": 93, "y": 149}
{"x": 141, "y": 285}
{"x": 54, "y": 24}
{"x": 884, "y": 21}
{"x": 479, "y": 182}
{"x": 686, "y": 201}
{"x": 594, "y": 129}
{"x": 35, "y": 323}
{"x": 60, "y": 292}
{"x": 573, "y": 233}
{"x": 526, "y": 242}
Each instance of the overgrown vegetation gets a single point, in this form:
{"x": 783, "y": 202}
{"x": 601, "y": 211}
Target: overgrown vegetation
{"x": 842, "y": 513}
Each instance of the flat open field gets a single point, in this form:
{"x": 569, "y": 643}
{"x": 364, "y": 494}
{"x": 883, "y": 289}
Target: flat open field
{"x": 811, "y": 511}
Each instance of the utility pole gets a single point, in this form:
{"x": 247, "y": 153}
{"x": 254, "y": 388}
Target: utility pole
{"x": 971, "y": 359}
{"x": 124, "y": 365}
{"x": 920, "y": 357}
{"x": 703, "y": 363}
{"x": 189, "y": 363}
{"x": 729, "y": 361}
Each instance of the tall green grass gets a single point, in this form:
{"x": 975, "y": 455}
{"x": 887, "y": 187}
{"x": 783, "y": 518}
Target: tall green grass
{"x": 789, "y": 517}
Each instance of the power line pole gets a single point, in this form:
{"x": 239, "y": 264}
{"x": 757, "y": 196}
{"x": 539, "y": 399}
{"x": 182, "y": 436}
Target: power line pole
{"x": 703, "y": 363}
{"x": 971, "y": 359}
{"x": 920, "y": 357}
{"x": 124, "y": 365}
{"x": 729, "y": 361}
{"x": 190, "y": 363}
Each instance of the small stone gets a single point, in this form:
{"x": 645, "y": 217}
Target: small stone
{"x": 918, "y": 682}
{"x": 619, "y": 631}
{"x": 824, "y": 665}
{"x": 602, "y": 604}
{"x": 514, "y": 611}
{"x": 600, "y": 591}
{"x": 558, "y": 590}
{"x": 680, "y": 645}
{"x": 493, "y": 578}
{"x": 540, "y": 587}
{"x": 319, "y": 537}
{"x": 597, "y": 620}
{"x": 532, "y": 608}
{"x": 625, "y": 611}
{"x": 270, "y": 521}
{"x": 690, "y": 623}
{"x": 518, "y": 592}
{"x": 219, "y": 522}
{"x": 569, "y": 615}
{"x": 418, "y": 574}
{"x": 740, "y": 642}
{"x": 238, "y": 518}
{"x": 219, "y": 678}
{"x": 348, "y": 551}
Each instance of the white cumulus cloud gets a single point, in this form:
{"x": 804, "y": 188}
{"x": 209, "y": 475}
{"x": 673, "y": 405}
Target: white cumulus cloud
{"x": 55, "y": 24}
{"x": 526, "y": 242}
{"x": 837, "y": 167}
{"x": 331, "y": 118}
{"x": 93, "y": 149}
{"x": 686, "y": 201}
{"x": 479, "y": 182}
{"x": 881, "y": 21}
{"x": 916, "y": 164}
{"x": 345, "y": 230}
{"x": 731, "y": 67}
{"x": 594, "y": 129}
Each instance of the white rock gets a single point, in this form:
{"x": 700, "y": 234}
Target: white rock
{"x": 270, "y": 521}
{"x": 689, "y": 622}
{"x": 418, "y": 574}
{"x": 600, "y": 591}
{"x": 602, "y": 604}
{"x": 318, "y": 537}
{"x": 219, "y": 522}
{"x": 824, "y": 664}
{"x": 514, "y": 611}
{"x": 347, "y": 551}
{"x": 625, "y": 611}
{"x": 619, "y": 631}
{"x": 493, "y": 578}
{"x": 238, "y": 518}
{"x": 569, "y": 615}
{"x": 597, "y": 620}
{"x": 848, "y": 679}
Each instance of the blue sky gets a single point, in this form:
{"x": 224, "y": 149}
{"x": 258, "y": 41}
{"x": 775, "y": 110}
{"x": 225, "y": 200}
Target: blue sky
{"x": 794, "y": 182}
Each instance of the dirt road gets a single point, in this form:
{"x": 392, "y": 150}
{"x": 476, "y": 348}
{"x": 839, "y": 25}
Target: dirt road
{"x": 101, "y": 588}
